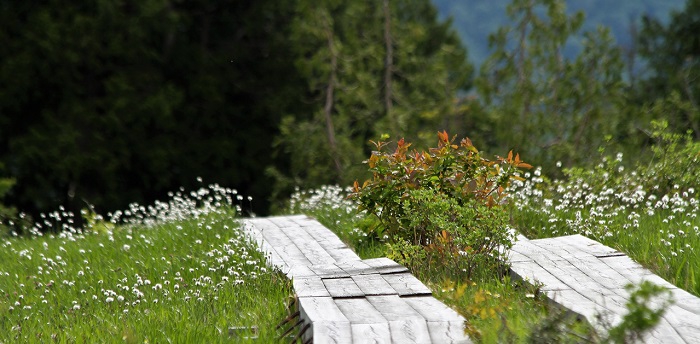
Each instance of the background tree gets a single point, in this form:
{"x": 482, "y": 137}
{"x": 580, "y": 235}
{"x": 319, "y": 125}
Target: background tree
{"x": 538, "y": 102}
{"x": 112, "y": 102}
{"x": 371, "y": 68}
{"x": 671, "y": 53}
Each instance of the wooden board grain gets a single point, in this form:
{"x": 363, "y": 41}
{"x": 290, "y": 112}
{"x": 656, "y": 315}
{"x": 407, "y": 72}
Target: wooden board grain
{"x": 274, "y": 236}
{"x": 444, "y": 324}
{"x": 368, "y": 325}
{"x": 356, "y": 267}
{"x": 328, "y": 271}
{"x": 328, "y": 324}
{"x": 343, "y": 254}
{"x": 406, "y": 284}
{"x": 309, "y": 287}
{"x": 385, "y": 265}
{"x": 406, "y": 325}
{"x": 342, "y": 287}
{"x": 313, "y": 251}
{"x": 374, "y": 284}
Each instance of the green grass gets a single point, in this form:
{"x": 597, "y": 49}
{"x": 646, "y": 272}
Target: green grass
{"x": 185, "y": 275}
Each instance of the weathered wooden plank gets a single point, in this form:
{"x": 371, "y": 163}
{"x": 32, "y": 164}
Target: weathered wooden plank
{"x": 686, "y": 323}
{"x": 356, "y": 267}
{"x": 588, "y": 272}
{"x": 406, "y": 325}
{"x": 313, "y": 251}
{"x": 309, "y": 287}
{"x": 687, "y": 301}
{"x": 406, "y": 284}
{"x": 324, "y": 236}
{"x": 374, "y": 285}
{"x": 447, "y": 332}
{"x": 368, "y": 325}
{"x": 533, "y": 273}
{"x": 575, "y": 246}
{"x": 328, "y": 324}
{"x": 664, "y": 332}
{"x": 385, "y": 265}
{"x": 342, "y": 287}
{"x": 444, "y": 324}
{"x": 296, "y": 271}
{"x": 633, "y": 272}
{"x": 329, "y": 271}
{"x": 432, "y": 309}
{"x": 585, "y": 307}
{"x": 282, "y": 244}
{"x": 375, "y": 333}
{"x": 343, "y": 254}
{"x": 534, "y": 252}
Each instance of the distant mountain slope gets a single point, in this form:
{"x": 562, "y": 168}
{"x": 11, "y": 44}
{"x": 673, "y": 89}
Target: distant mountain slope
{"x": 474, "y": 20}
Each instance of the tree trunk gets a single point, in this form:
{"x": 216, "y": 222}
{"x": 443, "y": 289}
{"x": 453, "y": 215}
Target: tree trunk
{"x": 328, "y": 106}
{"x": 388, "y": 69}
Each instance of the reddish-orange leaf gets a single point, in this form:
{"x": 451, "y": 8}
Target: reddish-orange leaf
{"x": 510, "y": 156}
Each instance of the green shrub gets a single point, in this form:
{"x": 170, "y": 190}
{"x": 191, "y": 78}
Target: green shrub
{"x": 446, "y": 200}
{"x": 675, "y": 163}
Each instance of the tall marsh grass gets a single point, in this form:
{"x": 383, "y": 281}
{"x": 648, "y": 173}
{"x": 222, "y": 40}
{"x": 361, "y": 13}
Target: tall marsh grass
{"x": 175, "y": 272}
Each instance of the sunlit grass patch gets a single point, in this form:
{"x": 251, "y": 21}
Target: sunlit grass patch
{"x": 176, "y": 272}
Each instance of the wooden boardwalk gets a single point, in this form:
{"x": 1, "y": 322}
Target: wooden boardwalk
{"x": 345, "y": 299}
{"x": 589, "y": 278}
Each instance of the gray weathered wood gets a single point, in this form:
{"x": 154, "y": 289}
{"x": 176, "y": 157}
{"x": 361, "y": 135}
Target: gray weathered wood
{"x": 309, "y": 287}
{"x": 385, "y": 265}
{"x": 406, "y": 284}
{"x": 346, "y": 299}
{"x": 374, "y": 285}
{"x": 297, "y": 270}
{"x": 328, "y": 324}
{"x": 589, "y": 279}
{"x": 368, "y": 325}
{"x": 329, "y": 271}
{"x": 342, "y": 287}
{"x": 313, "y": 251}
{"x": 282, "y": 244}
{"x": 406, "y": 325}
{"x": 444, "y": 324}
{"x": 356, "y": 267}
{"x": 311, "y": 248}
{"x": 531, "y": 272}
{"x": 343, "y": 254}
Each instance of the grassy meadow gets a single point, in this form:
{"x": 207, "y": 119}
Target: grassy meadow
{"x": 658, "y": 230}
{"x": 608, "y": 204}
{"x": 175, "y": 272}
{"x": 180, "y": 271}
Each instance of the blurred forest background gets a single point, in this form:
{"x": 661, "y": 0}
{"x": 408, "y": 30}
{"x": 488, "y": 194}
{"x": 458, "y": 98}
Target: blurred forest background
{"x": 111, "y": 102}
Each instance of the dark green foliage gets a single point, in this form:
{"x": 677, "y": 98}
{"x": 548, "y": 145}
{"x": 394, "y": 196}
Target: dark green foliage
{"x": 112, "y": 102}
{"x": 369, "y": 69}
{"x": 672, "y": 53}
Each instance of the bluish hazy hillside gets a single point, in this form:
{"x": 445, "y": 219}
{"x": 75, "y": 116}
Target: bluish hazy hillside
{"x": 476, "y": 19}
